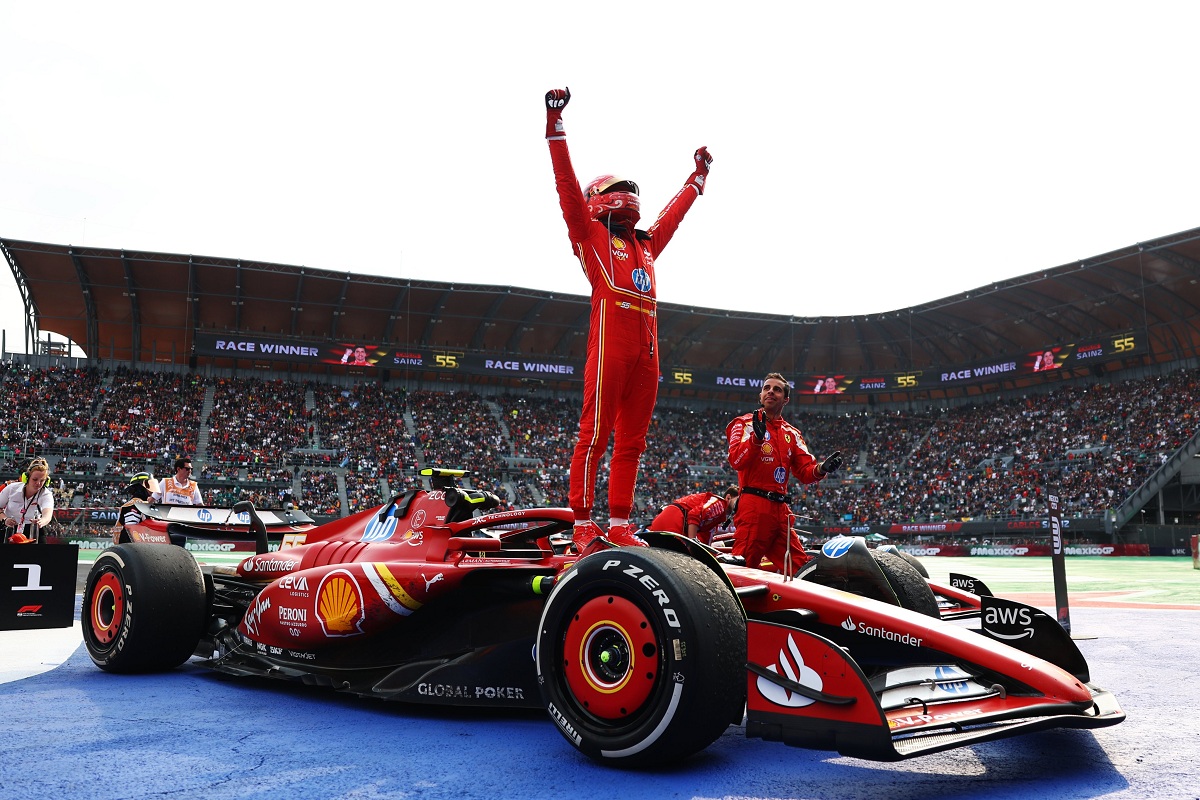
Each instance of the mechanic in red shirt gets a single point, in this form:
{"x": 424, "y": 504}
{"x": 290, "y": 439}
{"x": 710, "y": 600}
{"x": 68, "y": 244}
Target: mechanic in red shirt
{"x": 696, "y": 515}
{"x": 621, "y": 373}
{"x": 765, "y": 450}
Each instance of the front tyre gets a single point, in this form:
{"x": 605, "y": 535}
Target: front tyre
{"x": 641, "y": 656}
{"x": 144, "y": 608}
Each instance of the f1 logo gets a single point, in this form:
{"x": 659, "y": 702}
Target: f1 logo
{"x": 33, "y": 579}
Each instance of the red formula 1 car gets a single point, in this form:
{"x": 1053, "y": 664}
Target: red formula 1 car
{"x": 639, "y": 655}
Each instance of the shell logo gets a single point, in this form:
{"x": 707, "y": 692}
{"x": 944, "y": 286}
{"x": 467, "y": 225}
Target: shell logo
{"x": 340, "y": 605}
{"x": 767, "y": 448}
{"x": 618, "y": 243}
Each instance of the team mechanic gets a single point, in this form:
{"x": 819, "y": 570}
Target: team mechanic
{"x": 697, "y": 515}
{"x": 765, "y": 449}
{"x": 621, "y": 372}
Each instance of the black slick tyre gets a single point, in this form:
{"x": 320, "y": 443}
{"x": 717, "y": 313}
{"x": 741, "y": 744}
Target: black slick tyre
{"x": 641, "y": 656}
{"x": 144, "y": 608}
{"x": 915, "y": 562}
{"x": 909, "y": 585}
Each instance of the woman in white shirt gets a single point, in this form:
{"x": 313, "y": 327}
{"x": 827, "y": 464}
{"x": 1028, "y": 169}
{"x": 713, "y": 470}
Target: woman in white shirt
{"x": 27, "y": 506}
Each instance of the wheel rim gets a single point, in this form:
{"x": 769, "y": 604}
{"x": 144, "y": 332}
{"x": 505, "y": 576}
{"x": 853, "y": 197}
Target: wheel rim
{"x": 107, "y": 608}
{"x": 610, "y": 658}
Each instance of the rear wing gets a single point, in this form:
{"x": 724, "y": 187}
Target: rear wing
{"x": 221, "y": 518}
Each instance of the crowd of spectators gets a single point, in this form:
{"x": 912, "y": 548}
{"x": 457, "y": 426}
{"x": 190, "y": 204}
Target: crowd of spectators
{"x": 457, "y": 428}
{"x": 335, "y": 448}
{"x": 149, "y": 414}
{"x": 365, "y": 426}
{"x": 256, "y": 421}
{"x": 1094, "y": 445}
{"x": 43, "y": 405}
{"x": 362, "y": 491}
{"x": 319, "y": 493}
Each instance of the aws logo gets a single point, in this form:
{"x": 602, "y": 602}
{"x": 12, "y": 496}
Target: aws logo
{"x": 1008, "y": 622}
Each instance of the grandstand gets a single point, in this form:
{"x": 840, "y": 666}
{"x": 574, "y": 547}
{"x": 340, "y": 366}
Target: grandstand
{"x": 959, "y": 415}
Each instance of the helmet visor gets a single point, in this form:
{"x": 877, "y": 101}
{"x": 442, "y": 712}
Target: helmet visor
{"x": 610, "y": 183}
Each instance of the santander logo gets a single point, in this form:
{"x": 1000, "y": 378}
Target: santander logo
{"x": 791, "y": 665}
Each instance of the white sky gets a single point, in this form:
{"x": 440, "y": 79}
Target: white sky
{"x": 869, "y": 156}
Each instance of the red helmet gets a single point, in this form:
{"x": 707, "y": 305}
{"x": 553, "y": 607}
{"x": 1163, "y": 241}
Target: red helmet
{"x": 609, "y": 195}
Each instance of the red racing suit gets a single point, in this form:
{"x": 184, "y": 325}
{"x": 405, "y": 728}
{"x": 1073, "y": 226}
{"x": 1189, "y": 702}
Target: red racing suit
{"x": 621, "y": 373}
{"x": 704, "y": 509}
{"x": 763, "y": 525}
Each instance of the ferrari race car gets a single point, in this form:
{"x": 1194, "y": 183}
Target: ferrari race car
{"x": 640, "y": 656}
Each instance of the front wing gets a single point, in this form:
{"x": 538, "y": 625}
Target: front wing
{"x": 805, "y": 690}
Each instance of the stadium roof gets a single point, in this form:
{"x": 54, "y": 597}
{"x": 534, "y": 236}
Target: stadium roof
{"x": 129, "y": 305}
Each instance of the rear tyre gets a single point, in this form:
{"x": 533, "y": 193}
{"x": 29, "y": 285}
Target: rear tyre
{"x": 915, "y": 562}
{"x": 909, "y": 585}
{"x": 641, "y": 656}
{"x": 144, "y": 607}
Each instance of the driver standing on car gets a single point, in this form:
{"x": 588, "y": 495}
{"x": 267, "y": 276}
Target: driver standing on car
{"x": 621, "y": 371}
{"x": 765, "y": 450}
{"x": 179, "y": 489}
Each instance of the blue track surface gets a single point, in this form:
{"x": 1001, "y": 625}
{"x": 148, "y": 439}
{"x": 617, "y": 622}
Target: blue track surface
{"x": 76, "y": 732}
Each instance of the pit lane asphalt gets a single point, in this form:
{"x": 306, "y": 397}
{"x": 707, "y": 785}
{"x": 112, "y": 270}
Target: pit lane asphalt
{"x": 74, "y": 731}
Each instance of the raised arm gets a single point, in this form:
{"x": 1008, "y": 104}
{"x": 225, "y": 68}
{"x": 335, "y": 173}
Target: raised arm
{"x": 570, "y": 198}
{"x": 668, "y": 220}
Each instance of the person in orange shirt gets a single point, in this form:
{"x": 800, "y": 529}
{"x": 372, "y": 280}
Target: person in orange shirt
{"x": 179, "y": 489}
